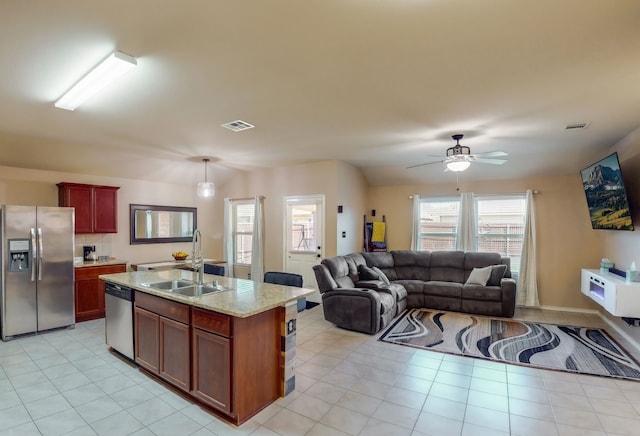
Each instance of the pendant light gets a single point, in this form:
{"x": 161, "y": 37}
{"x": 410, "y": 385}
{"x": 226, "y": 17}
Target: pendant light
{"x": 206, "y": 189}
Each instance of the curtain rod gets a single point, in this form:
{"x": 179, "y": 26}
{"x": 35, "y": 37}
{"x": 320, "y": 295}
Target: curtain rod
{"x": 535, "y": 191}
{"x": 262, "y": 197}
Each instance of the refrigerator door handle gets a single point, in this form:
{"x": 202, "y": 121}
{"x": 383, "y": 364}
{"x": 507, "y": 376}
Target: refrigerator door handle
{"x": 33, "y": 254}
{"x": 40, "y": 254}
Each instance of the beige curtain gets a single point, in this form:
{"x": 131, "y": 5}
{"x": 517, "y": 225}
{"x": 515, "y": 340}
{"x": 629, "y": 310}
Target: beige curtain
{"x": 466, "y": 240}
{"x": 528, "y": 283}
{"x": 257, "y": 242}
{"x": 415, "y": 229}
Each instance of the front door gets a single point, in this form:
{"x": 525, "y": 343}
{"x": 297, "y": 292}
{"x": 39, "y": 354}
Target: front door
{"x": 304, "y": 238}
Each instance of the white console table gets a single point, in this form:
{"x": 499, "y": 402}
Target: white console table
{"x": 612, "y": 292}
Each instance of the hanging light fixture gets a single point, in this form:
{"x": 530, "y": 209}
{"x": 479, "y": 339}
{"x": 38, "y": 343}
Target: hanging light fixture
{"x": 206, "y": 189}
{"x": 458, "y": 165}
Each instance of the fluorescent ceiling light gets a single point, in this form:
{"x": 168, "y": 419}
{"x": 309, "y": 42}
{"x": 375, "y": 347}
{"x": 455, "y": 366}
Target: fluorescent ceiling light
{"x": 106, "y": 72}
{"x": 458, "y": 166}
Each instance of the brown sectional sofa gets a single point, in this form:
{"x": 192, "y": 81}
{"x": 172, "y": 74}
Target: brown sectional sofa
{"x": 356, "y": 297}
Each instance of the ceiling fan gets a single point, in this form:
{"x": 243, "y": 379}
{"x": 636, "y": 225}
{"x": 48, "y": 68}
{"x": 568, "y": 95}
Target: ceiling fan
{"x": 459, "y": 157}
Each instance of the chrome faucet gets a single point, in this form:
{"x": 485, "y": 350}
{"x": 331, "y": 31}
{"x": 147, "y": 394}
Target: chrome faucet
{"x": 197, "y": 258}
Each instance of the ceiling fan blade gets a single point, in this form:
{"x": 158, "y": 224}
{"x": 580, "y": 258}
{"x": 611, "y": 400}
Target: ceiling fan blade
{"x": 492, "y": 154}
{"x": 490, "y": 161}
{"x": 423, "y": 164}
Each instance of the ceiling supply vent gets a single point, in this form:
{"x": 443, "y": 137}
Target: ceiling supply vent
{"x": 576, "y": 126}
{"x": 238, "y": 125}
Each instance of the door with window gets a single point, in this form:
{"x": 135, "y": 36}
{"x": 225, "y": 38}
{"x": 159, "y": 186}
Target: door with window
{"x": 304, "y": 237}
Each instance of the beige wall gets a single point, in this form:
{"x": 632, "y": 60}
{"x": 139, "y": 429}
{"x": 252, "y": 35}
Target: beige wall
{"x": 566, "y": 242}
{"x": 319, "y": 178}
{"x": 352, "y": 196}
{"x": 623, "y": 247}
{"x": 32, "y": 187}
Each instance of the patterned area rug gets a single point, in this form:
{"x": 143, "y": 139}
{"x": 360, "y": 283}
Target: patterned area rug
{"x": 567, "y": 348}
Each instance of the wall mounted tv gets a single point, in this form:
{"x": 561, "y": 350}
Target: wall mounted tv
{"x": 606, "y": 196}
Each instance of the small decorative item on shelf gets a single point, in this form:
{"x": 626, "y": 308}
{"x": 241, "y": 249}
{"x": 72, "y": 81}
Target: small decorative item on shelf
{"x": 605, "y": 264}
{"x": 179, "y": 255}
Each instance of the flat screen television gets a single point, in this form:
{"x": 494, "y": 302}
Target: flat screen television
{"x": 606, "y": 196}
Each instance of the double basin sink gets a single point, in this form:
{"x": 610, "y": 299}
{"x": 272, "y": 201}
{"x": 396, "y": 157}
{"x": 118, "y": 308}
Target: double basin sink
{"x": 186, "y": 287}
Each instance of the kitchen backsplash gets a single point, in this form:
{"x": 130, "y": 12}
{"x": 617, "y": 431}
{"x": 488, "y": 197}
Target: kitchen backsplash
{"x": 101, "y": 241}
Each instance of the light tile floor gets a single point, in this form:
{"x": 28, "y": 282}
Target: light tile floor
{"x": 68, "y": 383}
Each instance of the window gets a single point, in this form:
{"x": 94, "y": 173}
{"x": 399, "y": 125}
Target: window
{"x": 438, "y": 223}
{"x": 499, "y": 224}
{"x": 303, "y": 228}
{"x": 242, "y": 229}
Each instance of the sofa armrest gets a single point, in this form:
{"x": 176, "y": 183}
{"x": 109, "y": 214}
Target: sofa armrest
{"x": 508, "y": 287}
{"x": 376, "y": 285}
{"x": 353, "y": 308}
{"x": 324, "y": 278}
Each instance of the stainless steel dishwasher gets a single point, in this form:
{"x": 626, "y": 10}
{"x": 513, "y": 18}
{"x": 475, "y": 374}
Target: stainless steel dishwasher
{"x": 119, "y": 318}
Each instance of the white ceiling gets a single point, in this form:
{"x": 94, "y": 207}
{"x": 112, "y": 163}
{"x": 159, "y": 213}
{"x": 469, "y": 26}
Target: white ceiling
{"x": 381, "y": 84}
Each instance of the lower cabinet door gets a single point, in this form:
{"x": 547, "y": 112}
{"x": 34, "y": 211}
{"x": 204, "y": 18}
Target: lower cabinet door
{"x": 89, "y": 301}
{"x": 212, "y": 369}
{"x": 174, "y": 353}
{"x": 147, "y": 340}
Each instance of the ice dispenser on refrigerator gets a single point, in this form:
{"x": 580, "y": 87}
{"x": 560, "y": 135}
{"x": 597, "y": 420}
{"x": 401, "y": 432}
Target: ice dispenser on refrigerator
{"x": 19, "y": 255}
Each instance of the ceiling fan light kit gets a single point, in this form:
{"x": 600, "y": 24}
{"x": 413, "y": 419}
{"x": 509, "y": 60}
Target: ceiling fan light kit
{"x": 459, "y": 157}
{"x": 458, "y": 166}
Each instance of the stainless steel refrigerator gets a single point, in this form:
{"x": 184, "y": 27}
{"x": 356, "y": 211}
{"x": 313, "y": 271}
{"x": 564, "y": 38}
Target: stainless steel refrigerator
{"x": 37, "y": 269}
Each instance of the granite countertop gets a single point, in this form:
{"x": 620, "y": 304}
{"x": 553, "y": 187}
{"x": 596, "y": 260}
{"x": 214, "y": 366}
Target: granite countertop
{"x": 110, "y": 261}
{"x": 169, "y": 264}
{"x": 246, "y": 298}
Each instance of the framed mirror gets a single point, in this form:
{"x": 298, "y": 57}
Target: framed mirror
{"x": 159, "y": 224}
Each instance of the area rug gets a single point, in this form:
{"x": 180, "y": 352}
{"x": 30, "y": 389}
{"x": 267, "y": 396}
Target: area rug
{"x": 582, "y": 350}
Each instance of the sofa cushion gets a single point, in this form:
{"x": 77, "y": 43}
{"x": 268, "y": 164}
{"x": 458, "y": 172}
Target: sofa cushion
{"x": 382, "y": 260}
{"x": 443, "y": 288}
{"x": 479, "y": 276}
{"x": 497, "y": 273}
{"x": 411, "y": 286}
{"x": 381, "y": 275}
{"x": 367, "y": 273}
{"x": 479, "y": 260}
{"x": 412, "y": 265}
{"x": 339, "y": 269}
{"x": 483, "y": 293}
{"x": 397, "y": 290}
{"x": 447, "y": 266}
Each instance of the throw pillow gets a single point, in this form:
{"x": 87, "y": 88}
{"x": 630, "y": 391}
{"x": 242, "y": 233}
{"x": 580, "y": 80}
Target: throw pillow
{"x": 479, "y": 276}
{"x": 366, "y": 273}
{"x": 382, "y": 276}
{"x": 497, "y": 273}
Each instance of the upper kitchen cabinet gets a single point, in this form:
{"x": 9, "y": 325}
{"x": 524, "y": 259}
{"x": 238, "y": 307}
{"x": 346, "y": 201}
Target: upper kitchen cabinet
{"x": 96, "y": 206}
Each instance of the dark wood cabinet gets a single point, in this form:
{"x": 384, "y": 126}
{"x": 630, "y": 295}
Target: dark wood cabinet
{"x": 230, "y": 365}
{"x": 147, "y": 339}
{"x": 211, "y": 359}
{"x": 89, "y": 290}
{"x": 162, "y": 339}
{"x": 96, "y": 207}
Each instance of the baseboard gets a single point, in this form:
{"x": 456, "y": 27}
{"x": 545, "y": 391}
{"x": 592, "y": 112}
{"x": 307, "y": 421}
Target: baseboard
{"x": 611, "y": 324}
{"x": 564, "y": 309}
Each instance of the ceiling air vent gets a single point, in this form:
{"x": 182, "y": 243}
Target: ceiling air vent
{"x": 576, "y": 126}
{"x": 238, "y": 126}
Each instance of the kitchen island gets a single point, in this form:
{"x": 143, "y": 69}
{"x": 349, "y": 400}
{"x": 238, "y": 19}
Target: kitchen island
{"x": 231, "y": 350}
